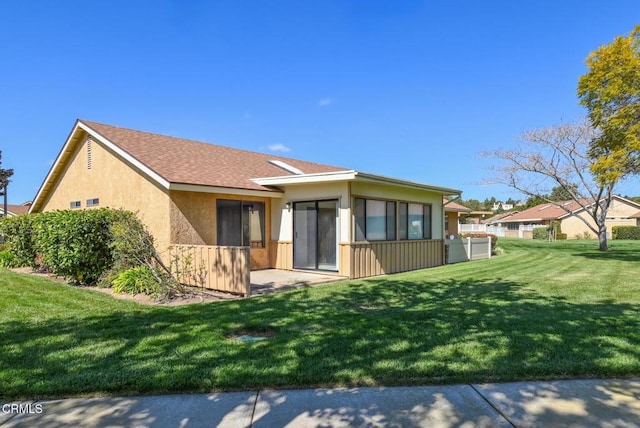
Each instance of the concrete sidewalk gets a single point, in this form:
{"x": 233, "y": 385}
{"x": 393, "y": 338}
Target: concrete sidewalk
{"x": 572, "y": 403}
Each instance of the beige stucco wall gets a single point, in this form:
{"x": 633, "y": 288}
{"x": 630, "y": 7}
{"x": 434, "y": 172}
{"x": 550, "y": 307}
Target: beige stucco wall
{"x": 193, "y": 221}
{"x": 618, "y": 215}
{"x": 193, "y": 218}
{"x": 282, "y": 218}
{"x": 117, "y": 184}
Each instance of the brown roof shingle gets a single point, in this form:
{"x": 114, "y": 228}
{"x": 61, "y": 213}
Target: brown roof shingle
{"x": 546, "y": 211}
{"x": 16, "y": 209}
{"x": 183, "y": 161}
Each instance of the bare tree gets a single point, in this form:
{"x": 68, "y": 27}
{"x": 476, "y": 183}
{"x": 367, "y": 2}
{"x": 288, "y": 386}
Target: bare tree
{"x": 558, "y": 157}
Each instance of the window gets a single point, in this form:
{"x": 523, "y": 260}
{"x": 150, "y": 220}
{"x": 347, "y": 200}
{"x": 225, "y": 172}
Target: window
{"x": 375, "y": 220}
{"x": 512, "y": 226}
{"x": 74, "y": 204}
{"x": 240, "y": 223}
{"x": 388, "y": 220}
{"x": 93, "y": 202}
{"x": 404, "y": 215}
{"x": 415, "y": 221}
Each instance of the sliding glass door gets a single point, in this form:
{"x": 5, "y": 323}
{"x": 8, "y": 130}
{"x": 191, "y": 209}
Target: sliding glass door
{"x": 315, "y": 243}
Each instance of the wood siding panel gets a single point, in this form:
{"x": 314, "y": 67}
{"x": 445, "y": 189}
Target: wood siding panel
{"x": 212, "y": 267}
{"x": 379, "y": 258}
{"x": 281, "y": 254}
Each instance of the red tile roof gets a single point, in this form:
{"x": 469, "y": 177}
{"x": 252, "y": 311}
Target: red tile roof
{"x": 178, "y": 160}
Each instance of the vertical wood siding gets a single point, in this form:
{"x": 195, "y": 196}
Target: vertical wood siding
{"x": 281, "y": 254}
{"x": 379, "y": 258}
{"x": 213, "y": 267}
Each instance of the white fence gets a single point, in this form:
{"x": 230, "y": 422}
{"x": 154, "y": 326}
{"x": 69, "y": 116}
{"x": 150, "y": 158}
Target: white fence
{"x": 482, "y": 228}
{"x": 463, "y": 250}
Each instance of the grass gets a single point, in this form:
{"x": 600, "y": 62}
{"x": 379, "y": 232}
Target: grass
{"x": 538, "y": 311}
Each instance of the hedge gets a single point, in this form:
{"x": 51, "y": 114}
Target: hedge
{"x": 541, "y": 233}
{"x": 75, "y": 244}
{"x": 626, "y": 232}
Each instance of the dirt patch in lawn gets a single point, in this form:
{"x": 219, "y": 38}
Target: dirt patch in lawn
{"x": 191, "y": 295}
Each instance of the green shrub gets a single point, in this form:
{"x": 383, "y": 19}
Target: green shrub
{"x": 540, "y": 233}
{"x": 561, "y": 236}
{"x": 136, "y": 280}
{"x": 17, "y": 232}
{"x": 7, "y": 259}
{"x": 74, "y": 244}
{"x": 626, "y": 232}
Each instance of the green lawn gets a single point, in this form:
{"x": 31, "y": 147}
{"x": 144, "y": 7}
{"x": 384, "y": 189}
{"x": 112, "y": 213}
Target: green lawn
{"x": 537, "y": 311}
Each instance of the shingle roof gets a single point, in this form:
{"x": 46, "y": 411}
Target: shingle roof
{"x": 500, "y": 216}
{"x": 183, "y": 161}
{"x": 452, "y": 206}
{"x": 546, "y": 211}
{"x": 16, "y": 209}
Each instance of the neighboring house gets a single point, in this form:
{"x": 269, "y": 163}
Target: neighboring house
{"x": 453, "y": 212}
{"x": 622, "y": 212}
{"x": 498, "y": 205}
{"x": 292, "y": 214}
{"x": 13, "y": 210}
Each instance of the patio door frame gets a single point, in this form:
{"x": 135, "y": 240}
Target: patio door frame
{"x": 318, "y": 233}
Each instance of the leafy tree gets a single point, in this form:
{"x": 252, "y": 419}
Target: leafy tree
{"x": 560, "y": 194}
{"x": 472, "y": 204}
{"x": 511, "y": 201}
{"x": 532, "y": 201}
{"x": 5, "y": 174}
{"x": 557, "y": 157}
{"x": 610, "y": 91}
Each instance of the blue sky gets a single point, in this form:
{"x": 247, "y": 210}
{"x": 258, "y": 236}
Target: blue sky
{"x": 410, "y": 89}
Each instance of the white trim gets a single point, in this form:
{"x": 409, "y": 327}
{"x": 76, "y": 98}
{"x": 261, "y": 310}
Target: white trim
{"x": 135, "y": 162}
{"x": 349, "y": 175}
{"x": 321, "y": 177}
{"x": 286, "y": 167}
{"x": 445, "y": 191}
{"x": 224, "y": 190}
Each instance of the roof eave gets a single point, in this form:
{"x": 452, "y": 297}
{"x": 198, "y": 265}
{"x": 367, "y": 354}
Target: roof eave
{"x": 350, "y": 175}
{"x": 184, "y": 187}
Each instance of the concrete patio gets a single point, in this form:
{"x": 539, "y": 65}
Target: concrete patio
{"x": 269, "y": 281}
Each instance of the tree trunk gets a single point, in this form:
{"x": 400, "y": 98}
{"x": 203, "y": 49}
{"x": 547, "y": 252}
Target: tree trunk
{"x": 602, "y": 237}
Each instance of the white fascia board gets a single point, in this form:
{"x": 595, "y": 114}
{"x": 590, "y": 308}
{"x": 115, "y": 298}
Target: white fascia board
{"x": 322, "y": 177}
{"x": 349, "y": 175}
{"x": 54, "y": 167}
{"x": 519, "y": 220}
{"x": 224, "y": 190}
{"x": 135, "y": 162}
{"x": 361, "y": 176}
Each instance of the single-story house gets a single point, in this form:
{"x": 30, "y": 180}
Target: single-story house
{"x": 290, "y": 214}
{"x": 13, "y": 210}
{"x": 453, "y": 212}
{"x": 622, "y": 212}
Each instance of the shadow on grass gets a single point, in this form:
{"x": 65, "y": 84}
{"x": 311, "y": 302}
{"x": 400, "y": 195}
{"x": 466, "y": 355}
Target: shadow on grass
{"x": 621, "y": 254}
{"x": 377, "y": 332}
